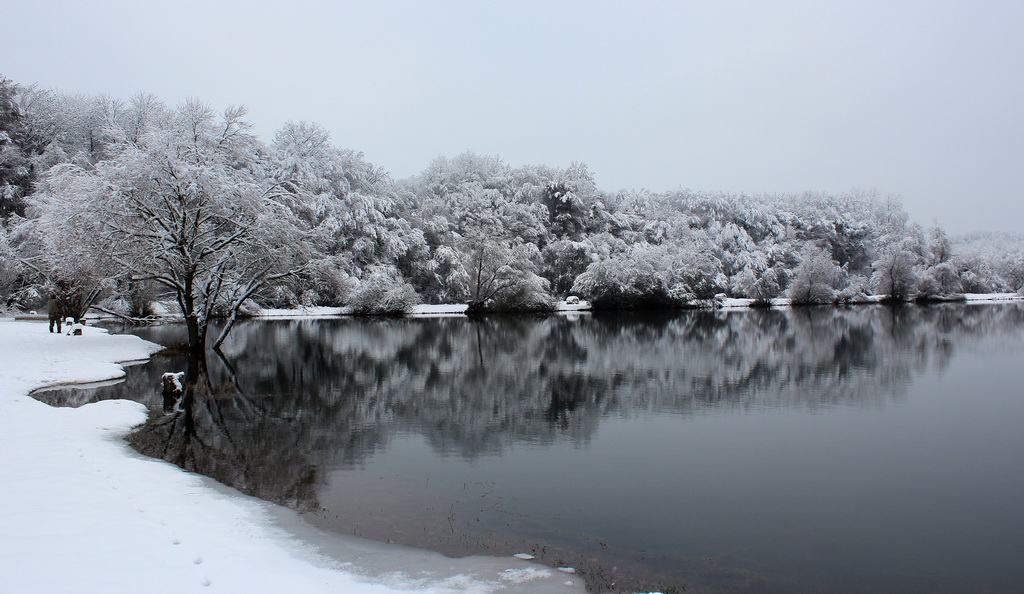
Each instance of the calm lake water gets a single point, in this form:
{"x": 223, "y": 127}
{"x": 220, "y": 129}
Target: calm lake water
{"x": 819, "y": 449}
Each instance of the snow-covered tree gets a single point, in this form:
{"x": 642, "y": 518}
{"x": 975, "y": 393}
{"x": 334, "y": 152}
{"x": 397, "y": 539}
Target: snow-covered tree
{"x": 15, "y": 167}
{"x": 350, "y": 204}
{"x": 989, "y": 261}
{"x": 849, "y": 226}
{"x": 472, "y": 195}
{"x": 814, "y": 278}
{"x": 761, "y": 286}
{"x": 184, "y": 208}
{"x": 643, "y": 275}
{"x": 940, "y": 248}
{"x": 939, "y": 281}
{"x": 355, "y": 221}
{"x": 61, "y": 242}
{"x": 10, "y": 268}
{"x": 623, "y": 282}
{"x": 66, "y": 127}
{"x": 502, "y": 276}
{"x": 570, "y": 199}
{"x": 446, "y": 279}
{"x": 323, "y": 282}
{"x": 564, "y": 260}
{"x": 895, "y": 273}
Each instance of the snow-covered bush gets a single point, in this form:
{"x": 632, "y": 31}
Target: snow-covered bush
{"x": 927, "y": 289}
{"x": 666, "y": 275}
{"x": 763, "y": 287}
{"x": 946, "y": 278}
{"x": 384, "y": 291}
{"x": 619, "y": 283}
{"x": 895, "y": 273}
{"x": 938, "y": 282}
{"x": 814, "y": 279}
{"x": 975, "y": 281}
{"x": 633, "y": 279}
{"x": 742, "y": 282}
{"x": 856, "y": 289}
{"x": 530, "y": 293}
{"x": 324, "y": 282}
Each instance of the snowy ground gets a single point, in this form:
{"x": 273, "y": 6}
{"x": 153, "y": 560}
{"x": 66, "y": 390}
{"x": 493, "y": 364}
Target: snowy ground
{"x": 734, "y": 303}
{"x": 992, "y": 297}
{"x": 80, "y": 512}
{"x": 420, "y": 310}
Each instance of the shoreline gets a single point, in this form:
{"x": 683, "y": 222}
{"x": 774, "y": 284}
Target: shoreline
{"x": 456, "y": 309}
{"x": 109, "y": 519}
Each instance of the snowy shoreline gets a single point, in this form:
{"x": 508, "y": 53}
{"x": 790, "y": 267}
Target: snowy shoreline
{"x": 459, "y": 309}
{"x": 738, "y": 303}
{"x": 82, "y": 512}
{"x": 420, "y": 311}
{"x": 729, "y": 303}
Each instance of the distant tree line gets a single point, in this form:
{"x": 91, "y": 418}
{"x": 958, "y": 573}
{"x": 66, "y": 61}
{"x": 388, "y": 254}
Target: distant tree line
{"x": 118, "y": 204}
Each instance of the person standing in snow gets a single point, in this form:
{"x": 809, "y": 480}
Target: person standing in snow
{"x": 54, "y": 312}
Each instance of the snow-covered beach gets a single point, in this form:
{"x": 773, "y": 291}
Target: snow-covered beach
{"x": 81, "y": 512}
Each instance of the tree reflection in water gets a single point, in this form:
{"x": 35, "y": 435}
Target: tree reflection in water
{"x": 292, "y": 401}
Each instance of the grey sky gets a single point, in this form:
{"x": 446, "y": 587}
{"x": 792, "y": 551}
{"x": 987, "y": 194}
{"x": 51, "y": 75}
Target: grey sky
{"x": 924, "y": 99}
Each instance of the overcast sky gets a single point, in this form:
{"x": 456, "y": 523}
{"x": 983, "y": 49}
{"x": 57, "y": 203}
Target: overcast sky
{"x": 922, "y": 99}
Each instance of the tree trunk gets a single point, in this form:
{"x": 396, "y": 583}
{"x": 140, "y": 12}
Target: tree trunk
{"x": 196, "y": 327}
{"x": 196, "y": 340}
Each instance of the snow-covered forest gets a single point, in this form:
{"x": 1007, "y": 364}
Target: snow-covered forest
{"x": 119, "y": 203}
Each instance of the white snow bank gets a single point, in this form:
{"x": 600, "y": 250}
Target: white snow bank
{"x": 81, "y": 512}
{"x": 422, "y": 310}
{"x": 303, "y": 312}
{"x": 992, "y": 297}
{"x": 739, "y": 303}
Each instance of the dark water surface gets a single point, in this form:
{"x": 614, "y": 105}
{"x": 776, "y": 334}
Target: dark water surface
{"x": 836, "y": 450}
